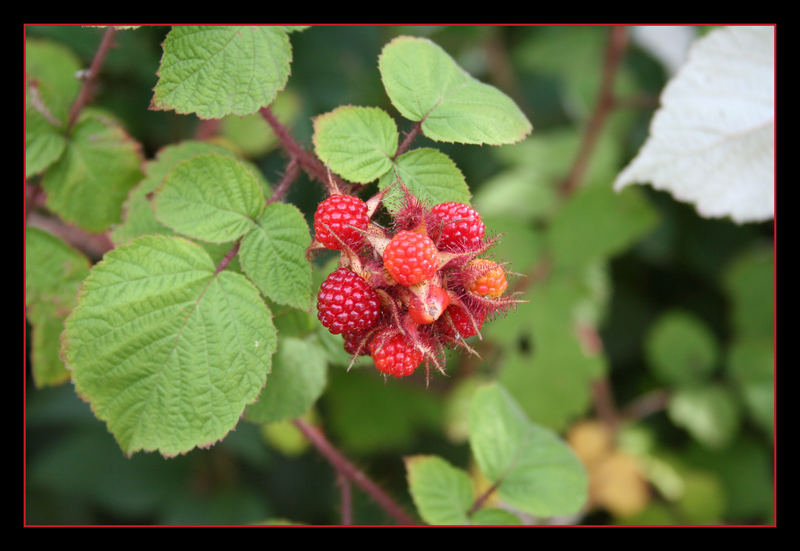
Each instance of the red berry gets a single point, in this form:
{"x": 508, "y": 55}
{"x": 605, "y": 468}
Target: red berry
{"x": 352, "y": 343}
{"x": 461, "y": 320}
{"x": 347, "y": 304}
{"x": 461, "y": 227}
{"x": 411, "y": 258}
{"x": 395, "y": 356}
{"x": 338, "y": 213}
{"x": 490, "y": 278}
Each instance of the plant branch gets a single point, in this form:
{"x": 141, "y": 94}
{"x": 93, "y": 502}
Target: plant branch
{"x": 349, "y": 471}
{"x": 228, "y": 257}
{"x": 646, "y": 404}
{"x": 483, "y": 497}
{"x": 93, "y": 245}
{"x": 292, "y": 171}
{"x": 617, "y": 43}
{"x": 307, "y": 160}
{"x": 207, "y": 129}
{"x": 604, "y": 404}
{"x": 347, "y": 501}
{"x": 410, "y": 136}
{"x": 94, "y": 70}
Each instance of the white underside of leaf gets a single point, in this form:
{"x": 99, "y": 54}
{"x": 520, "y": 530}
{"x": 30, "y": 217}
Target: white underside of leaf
{"x": 712, "y": 141}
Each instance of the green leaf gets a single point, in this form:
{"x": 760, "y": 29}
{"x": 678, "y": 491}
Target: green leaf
{"x": 273, "y": 255}
{"x": 90, "y": 181}
{"x": 710, "y": 414}
{"x": 298, "y": 377}
{"x": 703, "y": 499}
{"x": 167, "y": 351}
{"x": 680, "y": 349}
{"x": 53, "y": 274}
{"x": 356, "y": 142}
{"x": 597, "y": 224}
{"x": 51, "y": 71}
{"x": 533, "y": 197}
{"x": 210, "y": 197}
{"x": 215, "y": 71}
{"x": 750, "y": 282}
{"x": 442, "y": 493}
{"x": 44, "y": 144}
{"x": 430, "y": 175}
{"x": 751, "y": 364}
{"x": 425, "y": 84}
{"x": 536, "y": 471}
{"x": 494, "y": 517}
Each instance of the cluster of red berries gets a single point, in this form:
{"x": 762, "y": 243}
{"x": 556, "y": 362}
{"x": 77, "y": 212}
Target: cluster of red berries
{"x": 401, "y": 294}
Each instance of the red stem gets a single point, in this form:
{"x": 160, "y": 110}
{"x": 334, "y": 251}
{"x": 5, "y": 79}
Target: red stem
{"x": 617, "y": 43}
{"x": 94, "y": 70}
{"x": 292, "y": 171}
{"x": 347, "y": 501}
{"x": 410, "y": 136}
{"x": 348, "y": 470}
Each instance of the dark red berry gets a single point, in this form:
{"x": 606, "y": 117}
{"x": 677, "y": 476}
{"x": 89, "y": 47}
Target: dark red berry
{"x": 395, "y": 356}
{"x": 411, "y": 258}
{"x": 339, "y": 213}
{"x": 347, "y": 304}
{"x": 460, "y": 227}
{"x": 356, "y": 344}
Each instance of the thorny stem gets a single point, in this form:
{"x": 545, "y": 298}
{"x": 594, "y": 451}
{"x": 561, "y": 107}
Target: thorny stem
{"x": 93, "y": 245}
{"x": 617, "y": 43}
{"x": 228, "y": 257}
{"x": 347, "y": 501}
{"x": 410, "y": 136}
{"x": 292, "y": 171}
{"x": 308, "y": 161}
{"x": 348, "y": 470}
{"x": 88, "y": 84}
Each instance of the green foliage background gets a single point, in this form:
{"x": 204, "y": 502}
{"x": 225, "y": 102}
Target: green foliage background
{"x": 681, "y": 303}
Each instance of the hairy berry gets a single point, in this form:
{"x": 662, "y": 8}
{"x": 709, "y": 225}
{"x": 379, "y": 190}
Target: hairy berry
{"x": 490, "y": 279}
{"x": 461, "y": 227}
{"x": 411, "y": 258}
{"x": 395, "y": 356}
{"x": 457, "y": 319}
{"x": 347, "y": 304}
{"x": 339, "y": 213}
{"x": 354, "y": 344}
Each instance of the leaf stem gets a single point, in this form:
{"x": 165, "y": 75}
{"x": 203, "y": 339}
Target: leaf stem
{"x": 410, "y": 136}
{"x": 349, "y": 471}
{"x": 228, "y": 257}
{"x": 307, "y": 160}
{"x": 483, "y": 497}
{"x": 292, "y": 171}
{"x": 88, "y": 84}
{"x": 617, "y": 44}
{"x": 346, "y": 498}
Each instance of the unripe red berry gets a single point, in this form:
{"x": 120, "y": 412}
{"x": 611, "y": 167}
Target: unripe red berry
{"x": 395, "y": 356}
{"x": 411, "y": 258}
{"x": 461, "y": 228}
{"x": 339, "y": 213}
{"x": 347, "y": 304}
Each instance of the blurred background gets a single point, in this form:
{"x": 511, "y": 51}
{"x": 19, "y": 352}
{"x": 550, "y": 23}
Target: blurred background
{"x": 646, "y": 341}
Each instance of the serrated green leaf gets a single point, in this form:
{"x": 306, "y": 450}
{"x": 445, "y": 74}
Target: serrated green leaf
{"x": 709, "y": 413}
{"x": 167, "y": 351}
{"x": 494, "y": 517}
{"x": 596, "y": 224}
{"x": 442, "y": 493}
{"x": 138, "y": 217}
{"x": 51, "y": 70}
{"x": 425, "y": 84}
{"x": 273, "y": 255}
{"x": 90, "y": 181}
{"x": 53, "y": 274}
{"x": 536, "y": 471}
{"x": 430, "y": 175}
{"x": 215, "y": 71}
{"x": 44, "y": 144}
{"x": 356, "y": 142}
{"x": 680, "y": 349}
{"x": 210, "y": 197}
{"x": 299, "y": 375}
